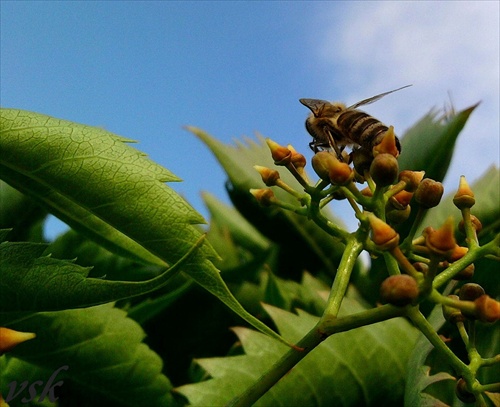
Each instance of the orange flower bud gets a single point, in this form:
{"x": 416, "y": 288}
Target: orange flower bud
{"x": 264, "y": 196}
{"x": 383, "y": 235}
{"x": 10, "y": 338}
{"x": 429, "y": 193}
{"x": 366, "y": 191}
{"x": 281, "y": 155}
{"x": 268, "y": 175}
{"x": 340, "y": 173}
{"x": 464, "y": 198}
{"x": 388, "y": 145}
{"x": 441, "y": 241}
{"x": 487, "y": 309}
{"x": 297, "y": 159}
{"x": 457, "y": 253}
{"x": 401, "y": 199}
{"x": 412, "y": 179}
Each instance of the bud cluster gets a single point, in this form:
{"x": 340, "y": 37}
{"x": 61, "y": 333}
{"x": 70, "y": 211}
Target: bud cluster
{"x": 418, "y": 266}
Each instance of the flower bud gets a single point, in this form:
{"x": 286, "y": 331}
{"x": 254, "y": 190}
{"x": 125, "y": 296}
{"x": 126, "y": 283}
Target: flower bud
{"x": 457, "y": 253}
{"x": 366, "y": 191}
{"x": 297, "y": 159}
{"x": 361, "y": 159}
{"x": 384, "y": 169}
{"x": 428, "y": 193}
{"x": 401, "y": 199}
{"x": 441, "y": 241}
{"x": 470, "y": 292}
{"x": 411, "y": 178}
{"x": 399, "y": 290}
{"x": 281, "y": 155}
{"x": 321, "y": 162}
{"x": 487, "y": 309}
{"x": 340, "y": 173}
{"x": 397, "y": 216}
{"x": 383, "y": 235}
{"x": 388, "y": 145}
{"x": 476, "y": 224}
{"x": 269, "y": 176}
{"x": 264, "y": 196}
{"x": 10, "y": 338}
{"x": 464, "y": 198}
{"x": 451, "y": 314}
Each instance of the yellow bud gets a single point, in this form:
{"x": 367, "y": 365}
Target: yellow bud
{"x": 281, "y": 155}
{"x": 383, "y": 235}
{"x": 264, "y": 196}
{"x": 268, "y": 175}
{"x": 441, "y": 241}
{"x": 464, "y": 198}
{"x": 10, "y": 338}
{"x": 388, "y": 145}
{"x": 321, "y": 162}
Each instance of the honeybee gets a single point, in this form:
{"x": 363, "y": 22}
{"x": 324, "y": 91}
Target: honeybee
{"x": 335, "y": 126}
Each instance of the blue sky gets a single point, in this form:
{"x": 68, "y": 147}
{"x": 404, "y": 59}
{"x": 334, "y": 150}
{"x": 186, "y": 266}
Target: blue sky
{"x": 144, "y": 69}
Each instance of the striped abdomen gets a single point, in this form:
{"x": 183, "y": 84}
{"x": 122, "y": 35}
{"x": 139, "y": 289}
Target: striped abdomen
{"x": 361, "y": 128}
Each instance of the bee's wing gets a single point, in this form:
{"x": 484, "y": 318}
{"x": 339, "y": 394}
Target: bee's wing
{"x": 373, "y": 98}
{"x": 315, "y": 105}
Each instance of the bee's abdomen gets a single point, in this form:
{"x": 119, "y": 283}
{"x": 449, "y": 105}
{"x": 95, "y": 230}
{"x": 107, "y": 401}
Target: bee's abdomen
{"x": 361, "y": 128}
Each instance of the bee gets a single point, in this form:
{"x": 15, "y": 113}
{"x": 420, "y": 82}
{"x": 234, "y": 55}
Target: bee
{"x": 335, "y": 126}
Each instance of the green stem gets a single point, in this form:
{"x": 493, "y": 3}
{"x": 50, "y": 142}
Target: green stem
{"x": 426, "y": 328}
{"x": 293, "y": 356}
{"x": 469, "y": 258}
{"x": 339, "y": 288}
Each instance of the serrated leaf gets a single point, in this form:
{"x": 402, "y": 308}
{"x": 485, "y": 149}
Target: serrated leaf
{"x": 109, "y": 191}
{"x": 363, "y": 367}
{"x": 31, "y": 282}
{"x": 104, "y": 353}
{"x": 294, "y": 233}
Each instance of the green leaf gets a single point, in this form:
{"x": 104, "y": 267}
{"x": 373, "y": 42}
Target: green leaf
{"x": 428, "y": 146}
{"x": 304, "y": 245}
{"x": 104, "y": 353}
{"x": 419, "y": 377}
{"x": 29, "y": 282}
{"x": 242, "y": 232}
{"x": 109, "y": 191}
{"x": 363, "y": 367}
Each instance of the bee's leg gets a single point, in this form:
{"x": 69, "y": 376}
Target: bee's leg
{"x": 334, "y": 145}
{"x": 314, "y": 146}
